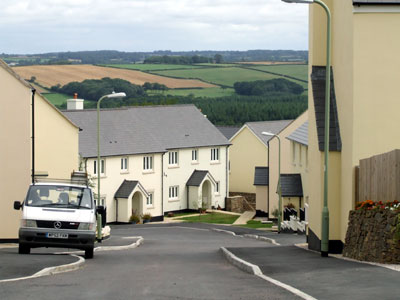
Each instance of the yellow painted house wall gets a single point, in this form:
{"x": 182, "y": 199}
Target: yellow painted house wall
{"x": 246, "y": 152}
{"x": 15, "y": 150}
{"x": 56, "y": 141}
{"x": 286, "y": 159}
{"x": 56, "y": 145}
{"x": 366, "y": 68}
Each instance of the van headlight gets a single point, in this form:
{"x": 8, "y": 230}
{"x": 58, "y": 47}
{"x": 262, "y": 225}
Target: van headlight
{"x": 28, "y": 223}
{"x": 86, "y": 226}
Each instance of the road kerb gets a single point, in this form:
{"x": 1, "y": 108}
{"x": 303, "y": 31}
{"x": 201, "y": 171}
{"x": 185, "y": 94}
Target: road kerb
{"x": 255, "y": 270}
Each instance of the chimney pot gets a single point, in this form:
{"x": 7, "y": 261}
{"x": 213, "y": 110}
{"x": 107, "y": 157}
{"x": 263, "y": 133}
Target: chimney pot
{"x": 75, "y": 95}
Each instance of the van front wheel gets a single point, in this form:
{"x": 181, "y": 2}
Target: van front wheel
{"x": 23, "y": 249}
{"x": 89, "y": 253}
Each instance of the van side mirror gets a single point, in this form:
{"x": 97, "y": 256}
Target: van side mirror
{"x": 17, "y": 205}
{"x": 100, "y": 209}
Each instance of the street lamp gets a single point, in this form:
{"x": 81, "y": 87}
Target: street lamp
{"x": 325, "y": 210}
{"x": 113, "y": 95}
{"x": 279, "y": 178}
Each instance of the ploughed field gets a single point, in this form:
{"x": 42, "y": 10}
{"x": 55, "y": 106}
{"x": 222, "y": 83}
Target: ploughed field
{"x": 50, "y": 75}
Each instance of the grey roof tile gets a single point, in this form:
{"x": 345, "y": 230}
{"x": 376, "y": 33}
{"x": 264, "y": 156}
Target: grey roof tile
{"x": 196, "y": 178}
{"x": 300, "y": 135}
{"x": 144, "y": 129}
{"x": 269, "y": 126}
{"x": 126, "y": 188}
{"x": 261, "y": 176}
{"x": 318, "y": 86}
{"x": 228, "y": 131}
{"x": 291, "y": 185}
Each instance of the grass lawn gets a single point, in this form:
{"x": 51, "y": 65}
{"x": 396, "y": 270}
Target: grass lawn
{"x": 216, "y": 218}
{"x": 57, "y": 99}
{"x": 221, "y": 76}
{"x": 256, "y": 224}
{"x": 205, "y": 92}
{"x": 151, "y": 67}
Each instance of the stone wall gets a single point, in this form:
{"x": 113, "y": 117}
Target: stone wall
{"x": 237, "y": 204}
{"x": 250, "y": 197}
{"x": 373, "y": 235}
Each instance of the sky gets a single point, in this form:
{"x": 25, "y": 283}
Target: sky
{"x": 41, "y": 26}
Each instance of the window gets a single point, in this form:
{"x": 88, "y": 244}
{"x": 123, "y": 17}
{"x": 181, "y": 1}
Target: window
{"x": 148, "y": 163}
{"x": 124, "y": 164}
{"x": 300, "y": 149}
{"x": 217, "y": 187}
{"x": 173, "y": 192}
{"x": 293, "y": 152}
{"x": 149, "y": 200}
{"x": 173, "y": 158}
{"x": 215, "y": 154}
{"x": 102, "y": 167}
{"x": 194, "y": 155}
{"x": 306, "y": 157}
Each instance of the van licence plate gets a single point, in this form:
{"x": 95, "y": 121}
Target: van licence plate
{"x": 57, "y": 235}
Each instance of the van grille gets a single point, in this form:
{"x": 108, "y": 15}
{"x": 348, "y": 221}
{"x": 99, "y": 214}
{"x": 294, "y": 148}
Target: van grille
{"x": 64, "y": 225}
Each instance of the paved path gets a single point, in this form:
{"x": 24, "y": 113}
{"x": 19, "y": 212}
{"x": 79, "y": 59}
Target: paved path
{"x": 246, "y": 216}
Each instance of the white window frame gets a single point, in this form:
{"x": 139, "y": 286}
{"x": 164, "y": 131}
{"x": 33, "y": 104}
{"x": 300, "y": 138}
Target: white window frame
{"x": 124, "y": 164}
{"x": 293, "y": 153}
{"x": 150, "y": 200}
{"x": 102, "y": 169}
{"x": 195, "y": 156}
{"x": 300, "y": 155}
{"x": 173, "y": 192}
{"x": 148, "y": 163}
{"x": 173, "y": 158}
{"x": 214, "y": 154}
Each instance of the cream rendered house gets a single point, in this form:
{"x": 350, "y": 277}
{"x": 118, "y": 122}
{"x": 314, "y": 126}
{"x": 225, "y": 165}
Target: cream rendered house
{"x": 250, "y": 149}
{"x": 56, "y": 145}
{"x": 365, "y": 103}
{"x": 154, "y": 159}
{"x": 266, "y": 175}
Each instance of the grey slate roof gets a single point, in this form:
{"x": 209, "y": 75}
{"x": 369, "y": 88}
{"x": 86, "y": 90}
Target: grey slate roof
{"x": 126, "y": 188}
{"x": 270, "y": 126}
{"x": 144, "y": 129}
{"x": 261, "y": 176}
{"x": 375, "y": 2}
{"x": 318, "y": 86}
{"x": 196, "y": 178}
{"x": 228, "y": 131}
{"x": 300, "y": 135}
{"x": 291, "y": 185}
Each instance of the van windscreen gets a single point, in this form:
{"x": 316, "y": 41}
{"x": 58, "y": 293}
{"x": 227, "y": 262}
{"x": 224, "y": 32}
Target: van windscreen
{"x": 59, "y": 196}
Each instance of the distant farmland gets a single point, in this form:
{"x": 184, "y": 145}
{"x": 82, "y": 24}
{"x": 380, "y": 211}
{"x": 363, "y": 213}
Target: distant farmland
{"x": 49, "y": 75}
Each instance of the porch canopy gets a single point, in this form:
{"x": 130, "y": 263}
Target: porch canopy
{"x": 201, "y": 186}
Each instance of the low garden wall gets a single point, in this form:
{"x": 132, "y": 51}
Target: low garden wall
{"x": 373, "y": 233}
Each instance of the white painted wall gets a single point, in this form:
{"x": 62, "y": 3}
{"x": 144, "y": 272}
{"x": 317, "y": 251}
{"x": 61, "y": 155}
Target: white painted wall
{"x": 152, "y": 181}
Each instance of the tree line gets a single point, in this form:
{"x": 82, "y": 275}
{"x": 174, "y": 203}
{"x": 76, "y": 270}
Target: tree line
{"x": 265, "y": 87}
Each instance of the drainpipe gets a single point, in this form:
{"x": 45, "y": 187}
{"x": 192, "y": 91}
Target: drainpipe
{"x": 33, "y": 135}
{"x": 268, "y": 181}
{"x": 227, "y": 174}
{"x": 162, "y": 185}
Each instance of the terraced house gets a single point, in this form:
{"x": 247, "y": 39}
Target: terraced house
{"x": 154, "y": 159}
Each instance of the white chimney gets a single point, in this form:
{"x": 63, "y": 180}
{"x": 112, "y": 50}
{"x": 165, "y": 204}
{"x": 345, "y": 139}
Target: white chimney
{"x": 75, "y": 104}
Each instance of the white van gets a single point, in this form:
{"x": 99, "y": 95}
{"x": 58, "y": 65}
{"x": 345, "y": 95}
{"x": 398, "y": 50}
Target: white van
{"x": 58, "y": 215}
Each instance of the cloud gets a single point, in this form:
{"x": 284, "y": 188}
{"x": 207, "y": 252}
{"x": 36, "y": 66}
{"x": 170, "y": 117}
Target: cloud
{"x": 195, "y": 24}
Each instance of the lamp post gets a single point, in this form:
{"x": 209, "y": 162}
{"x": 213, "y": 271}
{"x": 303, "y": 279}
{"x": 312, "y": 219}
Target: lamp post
{"x": 325, "y": 210}
{"x": 279, "y": 178}
{"x": 113, "y": 95}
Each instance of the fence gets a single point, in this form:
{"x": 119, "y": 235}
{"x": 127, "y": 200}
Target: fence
{"x": 379, "y": 177}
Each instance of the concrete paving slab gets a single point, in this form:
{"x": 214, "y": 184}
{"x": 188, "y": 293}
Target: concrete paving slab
{"x": 246, "y": 216}
{"x": 323, "y": 278}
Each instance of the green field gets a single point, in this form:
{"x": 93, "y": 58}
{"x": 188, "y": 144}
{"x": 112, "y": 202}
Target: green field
{"x": 297, "y": 71}
{"x": 151, "y": 67}
{"x": 206, "y": 92}
{"x": 215, "y": 65}
{"x": 56, "y": 99}
{"x": 222, "y": 76}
